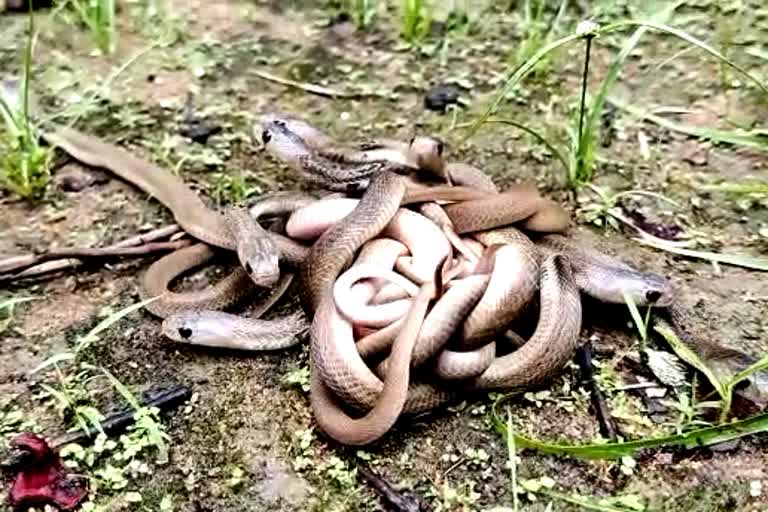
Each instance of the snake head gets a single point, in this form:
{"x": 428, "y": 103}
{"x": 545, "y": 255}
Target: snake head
{"x": 259, "y": 258}
{"x": 427, "y": 153}
{"x": 180, "y": 327}
{"x": 645, "y": 288}
{"x": 208, "y": 328}
{"x": 283, "y": 143}
{"x": 754, "y": 388}
{"x": 308, "y": 133}
{"x": 658, "y": 291}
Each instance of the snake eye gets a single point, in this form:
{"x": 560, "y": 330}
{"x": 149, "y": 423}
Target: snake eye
{"x": 266, "y": 137}
{"x": 440, "y": 148}
{"x": 652, "y": 296}
{"x": 185, "y": 332}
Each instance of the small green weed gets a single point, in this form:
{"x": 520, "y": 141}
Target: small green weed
{"x": 363, "y": 12}
{"x": 298, "y": 378}
{"x": 582, "y": 152}
{"x": 13, "y": 421}
{"x": 231, "y": 188}
{"x": 536, "y": 32}
{"x": 71, "y": 399}
{"x": 338, "y": 477}
{"x": 689, "y": 410}
{"x": 111, "y": 464}
{"x": 459, "y": 497}
{"x": 7, "y": 307}
{"x": 415, "y": 20}
{"x": 98, "y": 16}
{"x": 724, "y": 385}
{"x": 603, "y": 208}
{"x": 24, "y": 164}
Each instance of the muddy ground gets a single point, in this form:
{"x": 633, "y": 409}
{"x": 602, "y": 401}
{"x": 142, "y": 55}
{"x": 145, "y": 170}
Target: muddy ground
{"x": 246, "y": 441}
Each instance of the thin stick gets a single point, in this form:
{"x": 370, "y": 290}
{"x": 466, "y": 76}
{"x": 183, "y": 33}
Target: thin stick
{"x": 119, "y": 420}
{"x": 313, "y": 88}
{"x": 151, "y": 236}
{"x": 397, "y": 501}
{"x": 37, "y": 264}
{"x": 584, "y": 79}
{"x": 608, "y": 428}
{"x": 19, "y": 263}
{"x": 114, "y": 423}
{"x": 79, "y": 254}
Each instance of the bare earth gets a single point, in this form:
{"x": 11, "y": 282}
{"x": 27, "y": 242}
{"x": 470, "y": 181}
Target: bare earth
{"x": 244, "y": 414}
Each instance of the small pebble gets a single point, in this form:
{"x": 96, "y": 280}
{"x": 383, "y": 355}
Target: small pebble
{"x": 439, "y": 97}
{"x": 200, "y": 130}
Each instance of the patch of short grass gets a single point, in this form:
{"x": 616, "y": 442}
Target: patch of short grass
{"x": 98, "y": 16}
{"x": 584, "y": 128}
{"x": 113, "y": 464}
{"x": 24, "y": 163}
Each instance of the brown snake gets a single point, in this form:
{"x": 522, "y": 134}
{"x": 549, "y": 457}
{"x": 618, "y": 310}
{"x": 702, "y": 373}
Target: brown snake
{"x": 195, "y": 218}
{"x": 338, "y": 371}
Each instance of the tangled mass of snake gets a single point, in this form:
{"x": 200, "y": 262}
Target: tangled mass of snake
{"x": 413, "y": 273}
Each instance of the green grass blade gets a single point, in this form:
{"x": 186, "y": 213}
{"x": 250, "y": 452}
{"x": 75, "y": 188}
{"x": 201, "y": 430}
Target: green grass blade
{"x": 758, "y": 366}
{"x": 753, "y": 139}
{"x": 28, "y": 71}
{"x": 538, "y": 136}
{"x": 739, "y": 188}
{"x": 11, "y": 303}
{"x": 690, "y": 357}
{"x": 518, "y": 75}
{"x": 596, "y": 109}
{"x": 62, "y": 398}
{"x": 512, "y": 455}
{"x": 642, "y": 329}
{"x": 584, "y": 503}
{"x": 122, "y": 389}
{"x": 692, "y": 439}
{"x": 728, "y": 259}
{"x": 53, "y": 360}
{"x": 689, "y": 39}
{"x": 108, "y": 322}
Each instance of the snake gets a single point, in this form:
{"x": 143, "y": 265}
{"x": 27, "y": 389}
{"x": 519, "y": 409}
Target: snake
{"x": 424, "y": 152}
{"x": 199, "y": 221}
{"x": 338, "y": 373}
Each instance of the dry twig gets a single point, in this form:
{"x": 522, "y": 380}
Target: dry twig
{"x": 20, "y": 267}
{"x": 313, "y": 88}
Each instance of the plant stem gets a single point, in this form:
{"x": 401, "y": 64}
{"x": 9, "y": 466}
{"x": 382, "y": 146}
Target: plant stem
{"x": 580, "y": 161}
{"x": 28, "y": 72}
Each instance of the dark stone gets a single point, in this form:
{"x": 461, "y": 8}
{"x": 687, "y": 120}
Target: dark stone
{"x": 440, "y": 96}
{"x": 23, "y": 5}
{"x": 199, "y": 130}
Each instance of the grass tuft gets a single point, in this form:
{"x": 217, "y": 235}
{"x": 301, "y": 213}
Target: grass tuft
{"x": 98, "y": 16}
{"x": 582, "y": 152}
{"x": 415, "y": 20}
{"x": 24, "y": 163}
{"x": 363, "y": 12}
